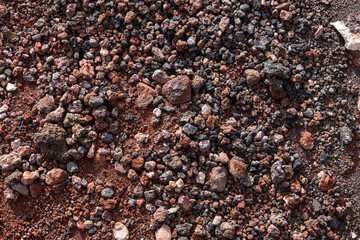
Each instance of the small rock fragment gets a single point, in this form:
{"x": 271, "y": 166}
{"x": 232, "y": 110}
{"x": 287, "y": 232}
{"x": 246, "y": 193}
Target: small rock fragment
{"x": 326, "y": 181}
{"x": 218, "y": 179}
{"x": 163, "y": 233}
{"x": 10, "y": 161}
{"x": 56, "y": 176}
{"x": 306, "y": 140}
{"x": 225, "y": 230}
{"x": 177, "y": 90}
{"x": 120, "y": 231}
{"x": 160, "y": 214}
{"x": 352, "y": 41}
{"x": 146, "y": 95}
{"x": 237, "y": 168}
{"x": 345, "y": 135}
{"x": 277, "y": 172}
{"x": 252, "y": 76}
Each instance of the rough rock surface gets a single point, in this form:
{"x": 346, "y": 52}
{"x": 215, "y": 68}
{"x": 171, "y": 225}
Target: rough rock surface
{"x": 178, "y": 90}
{"x": 120, "y": 231}
{"x": 56, "y": 176}
{"x": 51, "y": 141}
{"x": 146, "y": 95}
{"x": 218, "y": 179}
{"x": 10, "y": 161}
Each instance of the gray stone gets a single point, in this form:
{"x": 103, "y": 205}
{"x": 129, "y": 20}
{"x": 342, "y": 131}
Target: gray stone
{"x": 225, "y": 230}
{"x": 160, "y": 76}
{"x": 345, "y": 135}
{"x": 96, "y": 101}
{"x": 107, "y": 193}
{"x": 204, "y": 146}
{"x": 72, "y": 167}
{"x": 51, "y": 141}
{"x": 107, "y": 137}
{"x": 218, "y": 179}
{"x": 277, "y": 172}
{"x": 276, "y": 70}
{"x": 189, "y": 129}
{"x": 20, "y": 188}
{"x": 10, "y": 161}
{"x": 184, "y": 229}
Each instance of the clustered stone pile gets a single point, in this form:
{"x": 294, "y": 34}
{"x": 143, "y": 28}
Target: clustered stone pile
{"x": 218, "y": 113}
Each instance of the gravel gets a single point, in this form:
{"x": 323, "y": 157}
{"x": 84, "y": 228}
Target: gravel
{"x": 208, "y": 119}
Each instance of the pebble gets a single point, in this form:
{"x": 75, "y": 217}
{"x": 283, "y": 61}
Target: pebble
{"x": 71, "y": 167}
{"x": 252, "y": 76}
{"x": 277, "y": 172}
{"x": 225, "y": 230}
{"x": 189, "y": 129}
{"x": 177, "y": 90}
{"x": 184, "y": 229}
{"x": 163, "y": 233}
{"x": 120, "y": 231}
{"x": 20, "y": 188}
{"x": 29, "y": 177}
{"x": 160, "y": 215}
{"x": 10, "y": 161}
{"x": 11, "y": 87}
{"x": 107, "y": 193}
{"x": 146, "y": 95}
{"x": 345, "y": 135}
{"x": 160, "y": 76}
{"x": 197, "y": 83}
{"x": 237, "y": 168}
{"x": 96, "y": 101}
{"x": 56, "y": 176}
{"x": 218, "y": 179}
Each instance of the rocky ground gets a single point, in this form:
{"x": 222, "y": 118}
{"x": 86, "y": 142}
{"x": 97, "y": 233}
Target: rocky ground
{"x": 178, "y": 119}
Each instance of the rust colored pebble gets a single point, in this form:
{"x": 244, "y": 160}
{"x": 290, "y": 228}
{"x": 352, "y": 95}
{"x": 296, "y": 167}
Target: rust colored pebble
{"x": 137, "y": 163}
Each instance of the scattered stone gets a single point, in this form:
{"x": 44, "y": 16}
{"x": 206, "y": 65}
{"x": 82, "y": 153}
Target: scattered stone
{"x": 285, "y": 15}
{"x": 160, "y": 215}
{"x": 189, "y": 129}
{"x": 163, "y": 233}
{"x": 197, "y": 83}
{"x": 11, "y": 87}
{"x": 51, "y": 141}
{"x": 326, "y": 181}
{"x": 306, "y": 140}
{"x": 96, "y": 101}
{"x": 252, "y": 76}
{"x": 225, "y": 230}
{"x": 185, "y": 204}
{"x": 3, "y": 10}
{"x": 56, "y": 176}
{"x": 276, "y": 70}
{"x": 177, "y": 90}
{"x": 45, "y": 105}
{"x": 20, "y": 188}
{"x": 120, "y": 231}
{"x": 29, "y": 177}
{"x": 218, "y": 179}
{"x": 345, "y": 135}
{"x": 10, "y": 161}
{"x": 184, "y": 229}
{"x": 352, "y": 41}
{"x": 160, "y": 76}
{"x": 237, "y": 168}
{"x": 292, "y": 200}
{"x": 277, "y": 173}
{"x": 273, "y": 231}
{"x": 107, "y": 193}
{"x": 146, "y": 95}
